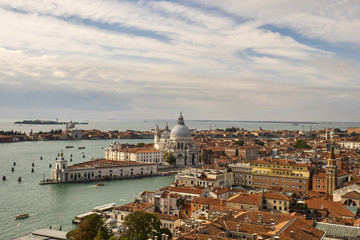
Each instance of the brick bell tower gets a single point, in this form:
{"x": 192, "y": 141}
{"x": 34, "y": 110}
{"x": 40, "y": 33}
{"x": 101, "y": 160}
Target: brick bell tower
{"x": 331, "y": 173}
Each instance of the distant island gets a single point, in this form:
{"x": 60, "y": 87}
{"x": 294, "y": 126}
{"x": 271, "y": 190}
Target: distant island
{"x": 46, "y": 122}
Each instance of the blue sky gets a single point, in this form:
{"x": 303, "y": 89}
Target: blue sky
{"x": 230, "y": 60}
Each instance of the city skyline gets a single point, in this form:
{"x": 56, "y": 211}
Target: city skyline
{"x": 222, "y": 60}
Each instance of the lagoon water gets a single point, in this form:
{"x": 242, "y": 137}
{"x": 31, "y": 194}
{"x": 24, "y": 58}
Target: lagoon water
{"x": 57, "y": 205}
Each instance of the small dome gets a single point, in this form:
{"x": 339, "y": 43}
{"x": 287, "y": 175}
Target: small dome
{"x": 180, "y": 131}
{"x": 165, "y": 134}
{"x": 111, "y": 221}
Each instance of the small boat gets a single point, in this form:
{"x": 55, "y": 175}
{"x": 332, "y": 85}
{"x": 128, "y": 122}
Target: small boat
{"x": 100, "y": 184}
{"x": 69, "y": 147}
{"x": 21, "y": 216}
{"x": 81, "y": 147}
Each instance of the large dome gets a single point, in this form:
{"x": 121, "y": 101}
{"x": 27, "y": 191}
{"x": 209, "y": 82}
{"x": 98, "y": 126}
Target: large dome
{"x": 180, "y": 131}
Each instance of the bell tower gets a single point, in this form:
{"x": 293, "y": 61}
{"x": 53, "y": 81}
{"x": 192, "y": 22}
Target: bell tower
{"x": 331, "y": 173}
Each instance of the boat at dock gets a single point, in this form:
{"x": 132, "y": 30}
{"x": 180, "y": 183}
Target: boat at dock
{"x": 21, "y": 216}
{"x": 81, "y": 147}
{"x": 69, "y": 147}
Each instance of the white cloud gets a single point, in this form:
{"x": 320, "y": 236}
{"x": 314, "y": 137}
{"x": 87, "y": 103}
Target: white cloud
{"x": 164, "y": 55}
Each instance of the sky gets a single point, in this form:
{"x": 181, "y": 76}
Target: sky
{"x": 279, "y": 60}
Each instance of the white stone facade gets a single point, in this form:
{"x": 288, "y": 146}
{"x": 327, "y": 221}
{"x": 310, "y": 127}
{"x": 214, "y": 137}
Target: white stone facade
{"x": 117, "y": 152}
{"x": 207, "y": 177}
{"x": 178, "y": 143}
{"x": 100, "y": 169}
{"x": 350, "y": 145}
{"x": 242, "y": 174}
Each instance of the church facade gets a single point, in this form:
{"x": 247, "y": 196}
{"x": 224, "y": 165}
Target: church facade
{"x": 178, "y": 143}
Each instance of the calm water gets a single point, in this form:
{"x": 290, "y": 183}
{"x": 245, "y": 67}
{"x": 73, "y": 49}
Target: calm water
{"x": 147, "y": 125}
{"x": 56, "y": 204}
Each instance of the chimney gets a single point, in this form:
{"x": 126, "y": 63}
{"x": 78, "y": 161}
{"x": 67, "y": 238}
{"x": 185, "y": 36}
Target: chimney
{"x": 166, "y": 237}
{"x": 156, "y": 238}
{"x": 322, "y": 206}
{"x": 292, "y": 234}
{"x": 163, "y": 236}
{"x": 260, "y": 218}
{"x": 272, "y": 226}
{"x": 237, "y": 227}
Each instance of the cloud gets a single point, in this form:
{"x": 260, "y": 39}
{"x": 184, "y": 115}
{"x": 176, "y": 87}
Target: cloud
{"x": 141, "y": 57}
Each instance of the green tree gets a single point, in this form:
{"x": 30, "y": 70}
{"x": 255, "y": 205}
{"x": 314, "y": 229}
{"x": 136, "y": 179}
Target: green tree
{"x": 140, "y": 225}
{"x": 232, "y": 129}
{"x": 141, "y": 144}
{"x": 301, "y": 144}
{"x": 239, "y": 142}
{"x": 90, "y": 228}
{"x": 258, "y": 142}
{"x": 169, "y": 158}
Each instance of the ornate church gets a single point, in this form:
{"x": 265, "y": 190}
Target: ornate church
{"x": 178, "y": 142}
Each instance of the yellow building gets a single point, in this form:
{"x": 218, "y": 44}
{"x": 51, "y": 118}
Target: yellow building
{"x": 281, "y": 173}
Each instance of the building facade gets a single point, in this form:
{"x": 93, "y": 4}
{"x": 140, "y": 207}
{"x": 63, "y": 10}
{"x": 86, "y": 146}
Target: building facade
{"x": 242, "y": 174}
{"x": 100, "y": 169}
{"x": 283, "y": 173}
{"x": 178, "y": 143}
{"x": 118, "y": 152}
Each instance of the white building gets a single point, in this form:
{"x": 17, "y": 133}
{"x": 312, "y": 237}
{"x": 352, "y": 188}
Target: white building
{"x": 210, "y": 176}
{"x": 118, "y": 152}
{"x": 350, "y": 145}
{"x": 242, "y": 174}
{"x": 100, "y": 169}
{"x": 178, "y": 143}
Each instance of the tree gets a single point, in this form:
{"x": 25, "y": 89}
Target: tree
{"x": 141, "y": 144}
{"x": 239, "y": 142}
{"x": 169, "y": 158}
{"x": 301, "y": 144}
{"x": 258, "y": 142}
{"x": 92, "y": 227}
{"x": 232, "y": 129}
{"x": 140, "y": 225}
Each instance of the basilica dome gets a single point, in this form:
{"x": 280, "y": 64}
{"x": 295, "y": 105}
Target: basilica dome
{"x": 180, "y": 131}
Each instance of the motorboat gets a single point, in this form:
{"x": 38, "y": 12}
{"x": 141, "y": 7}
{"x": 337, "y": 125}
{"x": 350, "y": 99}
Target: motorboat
{"x": 21, "y": 216}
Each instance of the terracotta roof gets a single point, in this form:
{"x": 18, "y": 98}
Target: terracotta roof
{"x": 351, "y": 195}
{"x": 132, "y": 207}
{"x": 278, "y": 196}
{"x": 267, "y": 217}
{"x": 188, "y": 190}
{"x": 104, "y": 163}
{"x": 244, "y": 198}
{"x": 207, "y": 201}
{"x": 331, "y": 206}
{"x": 166, "y": 217}
{"x": 299, "y": 229}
